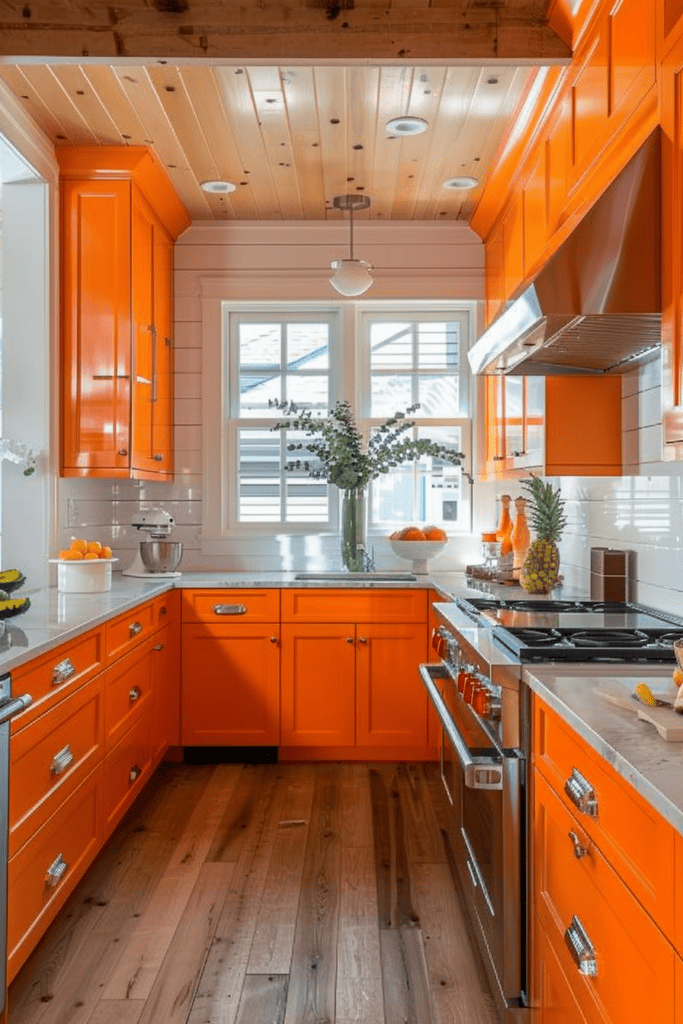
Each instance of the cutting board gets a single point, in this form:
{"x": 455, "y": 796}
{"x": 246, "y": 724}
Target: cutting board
{"x": 668, "y": 723}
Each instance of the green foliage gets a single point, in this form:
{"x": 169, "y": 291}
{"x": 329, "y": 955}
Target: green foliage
{"x": 342, "y": 456}
{"x": 547, "y": 509}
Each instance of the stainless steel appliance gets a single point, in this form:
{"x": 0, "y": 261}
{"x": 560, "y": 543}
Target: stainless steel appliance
{"x": 476, "y": 689}
{"x": 158, "y": 556}
{"x": 9, "y": 707}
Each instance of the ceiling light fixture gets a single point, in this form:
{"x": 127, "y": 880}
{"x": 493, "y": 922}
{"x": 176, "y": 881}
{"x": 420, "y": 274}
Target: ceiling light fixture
{"x": 351, "y": 276}
{"x": 406, "y": 125}
{"x": 217, "y": 187}
{"x": 464, "y": 182}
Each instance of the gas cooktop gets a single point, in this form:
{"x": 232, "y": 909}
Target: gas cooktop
{"x": 577, "y": 630}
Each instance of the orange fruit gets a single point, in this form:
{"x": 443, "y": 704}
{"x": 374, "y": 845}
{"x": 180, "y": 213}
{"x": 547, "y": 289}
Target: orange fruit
{"x": 79, "y": 545}
{"x": 105, "y": 552}
{"x": 413, "y": 533}
{"x": 678, "y": 676}
{"x": 72, "y": 555}
{"x": 63, "y": 553}
{"x": 94, "y": 546}
{"x": 91, "y": 554}
{"x": 435, "y": 533}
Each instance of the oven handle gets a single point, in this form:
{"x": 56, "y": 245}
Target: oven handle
{"x": 478, "y": 772}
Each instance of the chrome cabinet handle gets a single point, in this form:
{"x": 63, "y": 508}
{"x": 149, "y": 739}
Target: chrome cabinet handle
{"x": 55, "y": 872}
{"x": 581, "y": 793}
{"x": 134, "y": 628}
{"x": 123, "y": 451}
{"x": 163, "y": 610}
{"x": 579, "y": 850}
{"x": 230, "y": 609}
{"x": 61, "y": 761}
{"x": 158, "y": 458}
{"x": 62, "y": 671}
{"x": 273, "y": 639}
{"x": 349, "y": 639}
{"x": 473, "y": 874}
{"x": 159, "y": 647}
{"x": 581, "y": 948}
{"x": 134, "y": 694}
{"x": 362, "y": 639}
{"x": 134, "y": 773}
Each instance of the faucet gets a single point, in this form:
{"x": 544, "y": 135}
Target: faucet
{"x": 367, "y": 558}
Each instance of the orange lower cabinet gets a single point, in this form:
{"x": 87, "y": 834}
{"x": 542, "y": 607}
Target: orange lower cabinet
{"x": 231, "y": 684}
{"x": 46, "y": 869}
{"x": 618, "y": 963}
{"x": 392, "y": 703}
{"x": 678, "y": 1016}
{"x": 318, "y": 685}
{"x": 126, "y": 770}
{"x": 554, "y": 1001}
{"x": 165, "y": 691}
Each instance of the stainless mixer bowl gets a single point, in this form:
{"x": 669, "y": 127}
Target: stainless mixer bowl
{"x": 161, "y": 555}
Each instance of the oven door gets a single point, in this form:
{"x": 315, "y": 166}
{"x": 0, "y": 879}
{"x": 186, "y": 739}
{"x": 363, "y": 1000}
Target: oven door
{"x": 483, "y": 780}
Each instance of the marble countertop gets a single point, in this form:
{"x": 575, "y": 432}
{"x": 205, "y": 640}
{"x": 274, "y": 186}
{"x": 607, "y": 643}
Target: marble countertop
{"x": 581, "y": 696}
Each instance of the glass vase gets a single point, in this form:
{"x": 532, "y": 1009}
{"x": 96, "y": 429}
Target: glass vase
{"x": 353, "y": 529}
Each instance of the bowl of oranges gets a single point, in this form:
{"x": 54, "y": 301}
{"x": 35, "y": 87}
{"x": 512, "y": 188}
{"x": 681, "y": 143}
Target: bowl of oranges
{"x": 84, "y": 567}
{"x": 418, "y": 544}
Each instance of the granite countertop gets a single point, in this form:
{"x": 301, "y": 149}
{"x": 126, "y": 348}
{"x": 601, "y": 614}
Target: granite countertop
{"x": 581, "y": 696}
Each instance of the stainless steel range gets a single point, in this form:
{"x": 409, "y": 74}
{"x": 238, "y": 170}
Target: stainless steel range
{"x": 476, "y": 689}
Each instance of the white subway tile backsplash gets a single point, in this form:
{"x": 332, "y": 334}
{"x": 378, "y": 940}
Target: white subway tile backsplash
{"x": 187, "y": 360}
{"x": 188, "y": 438}
{"x": 188, "y": 385}
{"x": 187, "y": 335}
{"x": 187, "y": 411}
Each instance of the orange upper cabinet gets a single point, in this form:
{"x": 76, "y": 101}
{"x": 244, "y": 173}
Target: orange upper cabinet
{"x": 119, "y": 219}
{"x": 672, "y": 251}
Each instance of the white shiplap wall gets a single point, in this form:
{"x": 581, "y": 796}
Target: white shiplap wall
{"x": 261, "y": 262}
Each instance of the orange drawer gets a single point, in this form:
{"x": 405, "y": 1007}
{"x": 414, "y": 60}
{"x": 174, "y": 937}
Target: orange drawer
{"x": 164, "y": 608}
{"x": 46, "y": 869}
{"x": 127, "y": 691}
{"x": 678, "y": 895}
{"x": 50, "y": 758}
{"x": 634, "y": 963}
{"x": 231, "y": 605}
{"x": 126, "y": 769}
{"x": 53, "y": 676}
{"x": 354, "y": 605}
{"x": 552, "y": 996}
{"x": 633, "y": 836}
{"x": 128, "y": 631}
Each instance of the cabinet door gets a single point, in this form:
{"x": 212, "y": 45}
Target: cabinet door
{"x": 96, "y": 329}
{"x": 392, "y": 703}
{"x": 231, "y": 684}
{"x": 318, "y": 685}
{"x": 514, "y": 415}
{"x": 495, "y": 296}
{"x": 165, "y": 691}
{"x": 553, "y": 999}
{"x": 494, "y": 404}
{"x": 152, "y": 389}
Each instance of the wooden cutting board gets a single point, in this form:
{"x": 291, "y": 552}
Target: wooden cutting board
{"x": 668, "y": 723}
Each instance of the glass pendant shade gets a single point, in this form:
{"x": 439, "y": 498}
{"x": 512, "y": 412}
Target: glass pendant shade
{"x": 351, "y": 277}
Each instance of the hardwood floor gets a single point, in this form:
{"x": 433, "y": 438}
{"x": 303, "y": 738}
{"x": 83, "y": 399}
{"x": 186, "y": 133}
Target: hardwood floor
{"x": 264, "y": 894}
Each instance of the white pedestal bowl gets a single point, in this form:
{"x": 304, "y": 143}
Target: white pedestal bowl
{"x": 419, "y": 552}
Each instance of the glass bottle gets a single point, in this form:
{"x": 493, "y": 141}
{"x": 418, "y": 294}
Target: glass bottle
{"x": 504, "y": 531}
{"x": 520, "y": 537}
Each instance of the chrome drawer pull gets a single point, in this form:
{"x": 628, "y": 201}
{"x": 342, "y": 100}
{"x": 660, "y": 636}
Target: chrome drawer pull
{"x": 62, "y": 671}
{"x": 579, "y": 850}
{"x": 61, "y": 761}
{"x": 134, "y": 628}
{"x": 159, "y": 647}
{"x": 230, "y": 609}
{"x": 134, "y": 773}
{"x": 55, "y": 871}
{"x": 581, "y": 948}
{"x": 134, "y": 694}
{"x": 581, "y": 794}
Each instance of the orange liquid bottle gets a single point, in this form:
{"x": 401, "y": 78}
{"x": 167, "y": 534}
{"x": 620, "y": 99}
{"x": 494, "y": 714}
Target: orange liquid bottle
{"x": 504, "y": 531}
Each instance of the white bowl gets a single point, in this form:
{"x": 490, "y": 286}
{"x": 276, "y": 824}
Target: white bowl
{"x": 418, "y": 551}
{"x": 83, "y": 576}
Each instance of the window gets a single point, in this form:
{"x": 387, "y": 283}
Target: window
{"x": 383, "y": 362}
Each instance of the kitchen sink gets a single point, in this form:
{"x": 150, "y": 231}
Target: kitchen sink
{"x": 370, "y": 577}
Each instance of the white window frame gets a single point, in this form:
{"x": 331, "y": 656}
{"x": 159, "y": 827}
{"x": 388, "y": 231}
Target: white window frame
{"x": 349, "y": 366}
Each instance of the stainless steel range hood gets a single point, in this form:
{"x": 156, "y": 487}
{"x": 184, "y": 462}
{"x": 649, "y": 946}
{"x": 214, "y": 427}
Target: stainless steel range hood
{"x": 595, "y": 307}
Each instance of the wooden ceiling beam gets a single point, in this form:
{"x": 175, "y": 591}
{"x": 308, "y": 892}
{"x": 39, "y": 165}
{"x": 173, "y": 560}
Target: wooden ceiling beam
{"x": 311, "y": 30}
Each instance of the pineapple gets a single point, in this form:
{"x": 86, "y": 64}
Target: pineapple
{"x": 541, "y": 569}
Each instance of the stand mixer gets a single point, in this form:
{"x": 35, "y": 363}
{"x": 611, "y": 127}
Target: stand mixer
{"x": 158, "y": 556}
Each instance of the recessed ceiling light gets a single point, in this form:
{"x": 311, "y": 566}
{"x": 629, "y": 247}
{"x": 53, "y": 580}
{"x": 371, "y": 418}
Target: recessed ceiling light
{"x": 407, "y": 126}
{"x": 219, "y": 187}
{"x": 464, "y": 182}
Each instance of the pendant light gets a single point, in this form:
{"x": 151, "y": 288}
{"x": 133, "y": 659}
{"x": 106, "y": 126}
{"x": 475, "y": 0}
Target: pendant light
{"x": 351, "y": 276}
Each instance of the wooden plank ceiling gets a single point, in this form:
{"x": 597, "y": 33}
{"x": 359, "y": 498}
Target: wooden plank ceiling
{"x": 482, "y": 30}
{"x": 289, "y": 136}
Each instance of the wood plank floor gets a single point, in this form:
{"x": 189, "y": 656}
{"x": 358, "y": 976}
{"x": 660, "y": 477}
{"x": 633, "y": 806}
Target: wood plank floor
{"x": 265, "y": 894}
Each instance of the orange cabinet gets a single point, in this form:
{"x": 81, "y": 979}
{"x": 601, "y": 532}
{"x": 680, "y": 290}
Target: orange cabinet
{"x": 558, "y": 426}
{"x": 672, "y": 252}
{"x": 231, "y": 684}
{"x": 118, "y": 222}
{"x": 554, "y": 999}
{"x": 128, "y": 692}
{"x": 391, "y": 710}
{"x": 165, "y": 690}
{"x": 318, "y": 685}
{"x": 126, "y": 770}
{"x": 619, "y": 965}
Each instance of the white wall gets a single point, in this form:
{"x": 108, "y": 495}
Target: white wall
{"x": 260, "y": 262}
